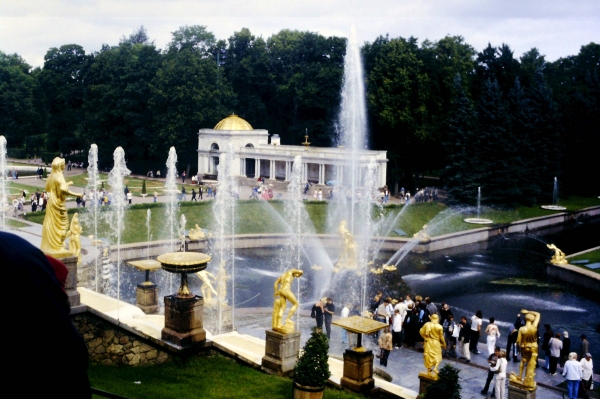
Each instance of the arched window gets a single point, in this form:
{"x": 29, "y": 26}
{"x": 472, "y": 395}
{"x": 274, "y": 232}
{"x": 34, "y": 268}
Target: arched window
{"x": 214, "y": 147}
{"x": 249, "y": 145}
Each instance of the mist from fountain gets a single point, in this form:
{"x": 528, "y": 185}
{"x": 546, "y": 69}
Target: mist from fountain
{"x": 224, "y": 230}
{"x": 148, "y": 219}
{"x": 555, "y": 192}
{"x": 172, "y": 207}
{"x": 118, "y": 205}
{"x": 478, "y": 202}
{"x": 182, "y": 223}
{"x": 3, "y": 183}
{"x": 93, "y": 195}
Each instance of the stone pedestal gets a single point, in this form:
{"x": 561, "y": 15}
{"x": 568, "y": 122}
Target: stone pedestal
{"x": 358, "y": 371}
{"x": 146, "y": 297}
{"x": 281, "y": 351}
{"x": 425, "y": 380}
{"x": 71, "y": 284}
{"x": 183, "y": 320}
{"x": 515, "y": 392}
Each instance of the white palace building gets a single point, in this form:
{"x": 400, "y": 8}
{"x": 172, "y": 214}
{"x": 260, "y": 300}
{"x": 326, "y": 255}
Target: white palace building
{"x": 256, "y": 155}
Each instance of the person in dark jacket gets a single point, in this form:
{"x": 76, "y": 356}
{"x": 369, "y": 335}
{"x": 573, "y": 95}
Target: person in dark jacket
{"x": 411, "y": 326}
{"x": 464, "y": 339}
{"x": 53, "y": 360}
{"x": 317, "y": 312}
{"x": 566, "y": 349}
{"x": 545, "y": 346}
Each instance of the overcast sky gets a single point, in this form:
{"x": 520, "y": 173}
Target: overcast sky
{"x": 557, "y": 28}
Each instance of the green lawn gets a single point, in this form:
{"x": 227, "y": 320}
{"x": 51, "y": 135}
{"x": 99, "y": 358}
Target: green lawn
{"x": 255, "y": 217}
{"x": 15, "y": 189}
{"x": 203, "y": 377}
{"x": 134, "y": 183}
{"x": 592, "y": 256}
{"x": 15, "y": 223}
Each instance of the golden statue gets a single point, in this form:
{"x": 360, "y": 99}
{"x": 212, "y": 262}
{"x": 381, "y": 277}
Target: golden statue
{"x": 422, "y": 234}
{"x": 283, "y": 292}
{"x": 56, "y": 221}
{"x": 376, "y": 270}
{"x": 559, "y": 257}
{"x": 528, "y": 342}
{"x": 389, "y": 268}
{"x": 347, "y": 258}
{"x": 207, "y": 288}
{"x": 196, "y": 234}
{"x": 433, "y": 334}
{"x": 75, "y": 237}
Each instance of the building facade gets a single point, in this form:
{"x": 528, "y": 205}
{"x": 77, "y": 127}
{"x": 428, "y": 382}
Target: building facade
{"x": 257, "y": 154}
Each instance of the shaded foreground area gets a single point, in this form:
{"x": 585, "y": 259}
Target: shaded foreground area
{"x": 204, "y": 377}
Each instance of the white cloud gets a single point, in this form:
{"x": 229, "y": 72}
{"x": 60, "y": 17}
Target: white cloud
{"x": 556, "y": 28}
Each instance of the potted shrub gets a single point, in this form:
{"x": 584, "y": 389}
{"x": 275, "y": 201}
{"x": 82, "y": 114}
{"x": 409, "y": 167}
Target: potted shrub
{"x": 446, "y": 386}
{"x": 312, "y": 370}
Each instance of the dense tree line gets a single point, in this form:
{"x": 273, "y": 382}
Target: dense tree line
{"x": 488, "y": 119}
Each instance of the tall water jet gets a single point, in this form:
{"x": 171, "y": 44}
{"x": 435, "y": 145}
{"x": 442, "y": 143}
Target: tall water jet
{"x": 172, "y": 203}
{"x": 148, "y": 219}
{"x": 118, "y": 205}
{"x": 224, "y": 252}
{"x": 3, "y": 183}
{"x": 555, "y": 192}
{"x": 93, "y": 195}
{"x": 478, "y": 219}
{"x": 182, "y": 223}
{"x": 478, "y": 201}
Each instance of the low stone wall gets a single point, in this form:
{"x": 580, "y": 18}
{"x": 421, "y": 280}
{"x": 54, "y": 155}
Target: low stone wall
{"x": 582, "y": 278}
{"x": 108, "y": 344}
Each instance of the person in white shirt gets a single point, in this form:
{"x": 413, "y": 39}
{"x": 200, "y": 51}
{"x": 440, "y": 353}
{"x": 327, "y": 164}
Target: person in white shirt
{"x": 397, "y": 329}
{"x": 408, "y": 301}
{"x": 555, "y": 345}
{"x": 492, "y": 333}
{"x": 345, "y": 313}
{"x": 500, "y": 369}
{"x": 587, "y": 368}
{"x": 573, "y": 373}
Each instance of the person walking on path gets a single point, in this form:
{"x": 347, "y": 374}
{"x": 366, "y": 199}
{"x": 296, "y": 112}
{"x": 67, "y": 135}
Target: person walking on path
{"x": 328, "y": 315}
{"x": 464, "y": 338}
{"x": 573, "y": 373}
{"x": 317, "y": 312}
{"x": 194, "y": 195}
{"x": 155, "y": 195}
{"x": 129, "y": 197}
{"x": 566, "y": 348}
{"x": 493, "y": 361}
{"x": 182, "y": 193}
{"x": 500, "y": 371}
{"x": 587, "y": 368}
{"x": 585, "y": 346}
{"x": 476, "y": 322}
{"x": 183, "y": 177}
{"x": 385, "y": 346}
{"x": 492, "y": 333}
{"x": 555, "y": 345}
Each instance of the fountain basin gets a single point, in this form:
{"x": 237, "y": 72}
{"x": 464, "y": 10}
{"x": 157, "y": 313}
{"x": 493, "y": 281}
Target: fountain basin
{"x": 554, "y": 207}
{"x": 477, "y": 221}
{"x": 183, "y": 262}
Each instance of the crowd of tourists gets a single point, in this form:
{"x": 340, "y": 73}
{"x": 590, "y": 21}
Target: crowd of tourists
{"x": 406, "y": 317}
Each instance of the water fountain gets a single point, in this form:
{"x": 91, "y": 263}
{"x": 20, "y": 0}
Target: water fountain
{"x": 93, "y": 195}
{"x": 554, "y": 206}
{"x": 220, "y": 317}
{"x": 478, "y": 220}
{"x": 118, "y": 205}
{"x": 172, "y": 204}
{"x": 4, "y": 206}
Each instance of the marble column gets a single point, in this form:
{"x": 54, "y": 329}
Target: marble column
{"x": 321, "y": 173}
{"x": 256, "y": 168}
{"x": 272, "y": 170}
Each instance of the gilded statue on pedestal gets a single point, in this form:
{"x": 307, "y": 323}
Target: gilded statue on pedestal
{"x": 283, "y": 293}
{"x": 56, "y": 221}
{"x": 527, "y": 340}
{"x": 433, "y": 335}
{"x": 347, "y": 258}
{"x": 559, "y": 257}
{"x": 208, "y": 290}
{"x": 196, "y": 234}
{"x": 422, "y": 234}
{"x": 74, "y": 234}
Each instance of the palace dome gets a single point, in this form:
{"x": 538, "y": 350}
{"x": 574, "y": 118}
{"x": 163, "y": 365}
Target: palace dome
{"x": 233, "y": 122}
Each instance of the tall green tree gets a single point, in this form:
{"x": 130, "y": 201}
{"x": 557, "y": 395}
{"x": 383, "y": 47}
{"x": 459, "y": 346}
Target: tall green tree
{"x": 62, "y": 80}
{"x": 20, "y": 118}
{"x": 116, "y": 107}
{"x": 462, "y": 173}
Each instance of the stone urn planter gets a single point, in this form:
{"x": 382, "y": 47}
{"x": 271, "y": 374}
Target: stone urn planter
{"x": 304, "y": 392}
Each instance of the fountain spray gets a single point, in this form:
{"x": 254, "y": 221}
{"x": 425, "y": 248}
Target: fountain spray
{"x": 148, "y": 218}
{"x": 3, "y": 198}
{"x": 115, "y": 181}
{"x": 172, "y": 204}
{"x": 92, "y": 189}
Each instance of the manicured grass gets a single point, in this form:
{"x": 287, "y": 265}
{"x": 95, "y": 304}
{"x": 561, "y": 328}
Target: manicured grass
{"x": 256, "y": 217}
{"x": 203, "y": 377}
{"x": 15, "y": 189}
{"x": 15, "y": 223}
{"x": 592, "y": 256}
{"x": 134, "y": 183}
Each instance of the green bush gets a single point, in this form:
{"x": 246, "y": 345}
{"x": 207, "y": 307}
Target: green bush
{"x": 312, "y": 369}
{"x": 44, "y": 173}
{"x": 143, "y": 186}
{"x": 446, "y": 386}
